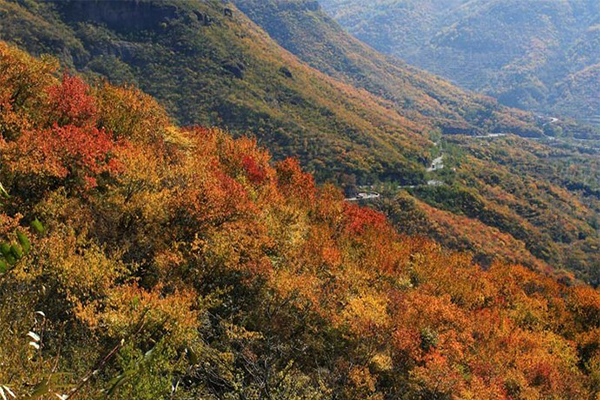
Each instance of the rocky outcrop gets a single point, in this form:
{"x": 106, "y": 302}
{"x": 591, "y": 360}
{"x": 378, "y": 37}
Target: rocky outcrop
{"x": 119, "y": 16}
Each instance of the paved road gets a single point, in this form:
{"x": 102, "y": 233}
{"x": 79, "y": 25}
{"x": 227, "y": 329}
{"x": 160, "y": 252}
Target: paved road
{"x": 364, "y": 196}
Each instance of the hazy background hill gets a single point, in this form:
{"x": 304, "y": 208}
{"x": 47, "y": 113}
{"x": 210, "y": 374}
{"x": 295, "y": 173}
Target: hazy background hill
{"x": 538, "y": 55}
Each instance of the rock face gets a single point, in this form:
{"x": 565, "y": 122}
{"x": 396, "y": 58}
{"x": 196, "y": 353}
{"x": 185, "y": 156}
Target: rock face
{"x": 236, "y": 69}
{"x": 204, "y": 19}
{"x": 120, "y": 16}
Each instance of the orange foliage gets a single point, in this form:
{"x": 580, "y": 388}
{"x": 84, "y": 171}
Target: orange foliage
{"x": 360, "y": 219}
{"x": 188, "y": 217}
{"x": 293, "y": 181}
{"x": 255, "y": 172}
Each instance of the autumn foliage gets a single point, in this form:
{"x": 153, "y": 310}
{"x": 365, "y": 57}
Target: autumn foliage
{"x": 210, "y": 271}
{"x": 70, "y": 102}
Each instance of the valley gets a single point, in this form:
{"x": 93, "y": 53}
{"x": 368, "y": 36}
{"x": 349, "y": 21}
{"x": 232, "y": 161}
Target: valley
{"x": 299, "y": 199}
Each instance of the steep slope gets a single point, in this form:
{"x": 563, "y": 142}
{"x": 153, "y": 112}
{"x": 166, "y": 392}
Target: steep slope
{"x": 362, "y": 120}
{"x": 539, "y": 56}
{"x": 215, "y": 69}
{"x": 180, "y": 263}
{"x": 498, "y": 196}
{"x": 304, "y": 29}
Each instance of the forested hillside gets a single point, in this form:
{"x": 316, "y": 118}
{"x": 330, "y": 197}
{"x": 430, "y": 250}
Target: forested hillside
{"x": 540, "y": 55}
{"x": 214, "y": 69}
{"x": 169, "y": 262}
{"x": 498, "y": 196}
{"x": 301, "y": 27}
{"x": 349, "y": 114}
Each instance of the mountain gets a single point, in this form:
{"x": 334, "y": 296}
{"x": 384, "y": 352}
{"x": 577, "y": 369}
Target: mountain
{"x": 301, "y": 27}
{"x": 539, "y": 56}
{"x": 485, "y": 203}
{"x": 214, "y": 69}
{"x": 288, "y": 75}
{"x": 142, "y": 260}
{"x": 227, "y": 72}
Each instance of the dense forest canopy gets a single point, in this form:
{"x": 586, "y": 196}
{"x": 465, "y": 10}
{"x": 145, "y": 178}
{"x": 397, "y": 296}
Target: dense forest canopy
{"x": 181, "y": 263}
{"x": 240, "y": 200}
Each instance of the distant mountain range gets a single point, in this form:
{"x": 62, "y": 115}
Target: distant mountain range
{"x": 537, "y": 55}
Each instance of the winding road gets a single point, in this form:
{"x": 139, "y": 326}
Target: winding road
{"x": 364, "y": 196}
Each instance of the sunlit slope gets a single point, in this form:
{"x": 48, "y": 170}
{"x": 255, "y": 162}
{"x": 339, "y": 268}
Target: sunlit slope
{"x": 303, "y": 28}
{"x": 215, "y": 69}
{"x": 170, "y": 262}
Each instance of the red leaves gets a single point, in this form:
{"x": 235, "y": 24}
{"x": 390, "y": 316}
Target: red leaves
{"x": 67, "y": 143}
{"x": 71, "y": 103}
{"x": 231, "y": 195}
{"x": 214, "y": 198}
{"x": 86, "y": 149}
{"x": 359, "y": 219}
{"x": 255, "y": 172}
{"x": 63, "y": 152}
{"x": 292, "y": 180}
